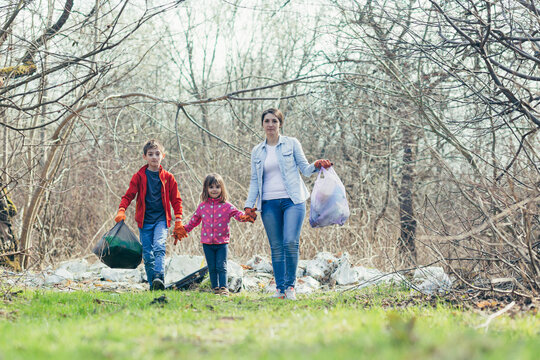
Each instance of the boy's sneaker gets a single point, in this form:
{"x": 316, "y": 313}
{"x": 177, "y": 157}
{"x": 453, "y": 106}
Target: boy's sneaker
{"x": 223, "y": 291}
{"x": 158, "y": 283}
{"x": 290, "y": 293}
{"x": 278, "y": 294}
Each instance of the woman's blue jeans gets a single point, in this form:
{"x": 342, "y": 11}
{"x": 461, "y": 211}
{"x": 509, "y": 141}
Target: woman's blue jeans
{"x": 153, "y": 237}
{"x": 216, "y": 259}
{"x": 283, "y": 222}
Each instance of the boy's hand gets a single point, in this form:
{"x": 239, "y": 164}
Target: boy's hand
{"x": 247, "y": 218}
{"x": 251, "y": 212}
{"x": 179, "y": 232}
{"x": 323, "y": 163}
{"x": 121, "y": 215}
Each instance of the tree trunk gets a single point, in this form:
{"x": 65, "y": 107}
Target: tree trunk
{"x": 407, "y": 243}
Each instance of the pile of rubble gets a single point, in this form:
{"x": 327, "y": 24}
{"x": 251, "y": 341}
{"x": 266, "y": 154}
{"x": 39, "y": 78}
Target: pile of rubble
{"x": 324, "y": 272}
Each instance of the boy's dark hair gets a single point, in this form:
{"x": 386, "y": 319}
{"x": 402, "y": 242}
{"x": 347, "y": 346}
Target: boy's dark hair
{"x": 274, "y": 111}
{"x": 153, "y": 144}
{"x": 212, "y": 179}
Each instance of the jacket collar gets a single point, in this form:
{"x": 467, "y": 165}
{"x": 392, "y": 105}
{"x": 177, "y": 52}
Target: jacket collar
{"x": 280, "y": 141}
{"x": 214, "y": 201}
{"x": 143, "y": 169}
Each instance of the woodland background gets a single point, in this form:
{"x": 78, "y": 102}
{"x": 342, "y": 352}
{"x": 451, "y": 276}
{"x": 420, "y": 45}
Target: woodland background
{"x": 428, "y": 109}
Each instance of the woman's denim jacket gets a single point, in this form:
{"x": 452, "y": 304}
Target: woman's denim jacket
{"x": 291, "y": 158}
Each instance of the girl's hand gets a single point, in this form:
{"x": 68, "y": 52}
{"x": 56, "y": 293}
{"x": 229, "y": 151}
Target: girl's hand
{"x": 246, "y": 218}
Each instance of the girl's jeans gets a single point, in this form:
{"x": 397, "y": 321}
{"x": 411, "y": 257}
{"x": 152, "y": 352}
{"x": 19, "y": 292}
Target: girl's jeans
{"x": 216, "y": 259}
{"x": 153, "y": 238}
{"x": 283, "y": 221}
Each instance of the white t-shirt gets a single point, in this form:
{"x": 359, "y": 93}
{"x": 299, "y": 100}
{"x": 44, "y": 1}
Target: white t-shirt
{"x": 273, "y": 185}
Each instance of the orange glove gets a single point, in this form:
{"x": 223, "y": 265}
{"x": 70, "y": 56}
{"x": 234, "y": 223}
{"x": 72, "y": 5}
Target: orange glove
{"x": 247, "y": 218}
{"x": 121, "y": 215}
{"x": 251, "y": 212}
{"x": 179, "y": 232}
{"x": 323, "y": 163}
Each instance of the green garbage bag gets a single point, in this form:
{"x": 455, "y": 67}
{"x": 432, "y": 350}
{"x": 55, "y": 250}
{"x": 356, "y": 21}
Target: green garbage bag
{"x": 119, "y": 248}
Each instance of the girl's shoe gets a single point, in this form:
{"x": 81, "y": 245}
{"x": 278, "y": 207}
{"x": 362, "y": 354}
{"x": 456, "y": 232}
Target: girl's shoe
{"x": 223, "y": 291}
{"x": 216, "y": 291}
{"x": 278, "y": 294}
{"x": 290, "y": 293}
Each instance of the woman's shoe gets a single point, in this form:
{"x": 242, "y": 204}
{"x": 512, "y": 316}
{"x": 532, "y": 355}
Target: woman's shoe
{"x": 290, "y": 293}
{"x": 278, "y": 294}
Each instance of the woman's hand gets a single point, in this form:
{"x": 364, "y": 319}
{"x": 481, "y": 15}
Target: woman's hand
{"x": 247, "y": 218}
{"x": 251, "y": 212}
{"x": 323, "y": 163}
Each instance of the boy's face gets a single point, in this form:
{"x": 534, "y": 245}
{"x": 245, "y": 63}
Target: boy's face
{"x": 153, "y": 157}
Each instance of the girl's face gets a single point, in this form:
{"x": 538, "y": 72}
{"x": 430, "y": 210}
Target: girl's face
{"x": 214, "y": 191}
{"x": 271, "y": 125}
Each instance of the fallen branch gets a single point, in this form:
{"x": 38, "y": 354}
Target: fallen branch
{"x": 494, "y": 315}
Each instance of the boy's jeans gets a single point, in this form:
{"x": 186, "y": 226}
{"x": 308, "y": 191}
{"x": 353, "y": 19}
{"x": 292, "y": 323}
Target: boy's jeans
{"x": 216, "y": 259}
{"x": 153, "y": 238}
{"x": 283, "y": 221}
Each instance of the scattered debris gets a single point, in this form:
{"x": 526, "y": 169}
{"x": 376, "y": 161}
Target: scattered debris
{"x": 162, "y": 300}
{"x": 325, "y": 271}
{"x": 106, "y": 302}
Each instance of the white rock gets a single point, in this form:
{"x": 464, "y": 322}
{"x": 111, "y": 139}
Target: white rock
{"x": 260, "y": 264}
{"x": 432, "y": 279}
{"x": 234, "y": 269}
{"x": 369, "y": 275}
{"x": 85, "y": 276}
{"x": 141, "y": 270}
{"x": 58, "y": 277}
{"x": 96, "y": 267}
{"x": 270, "y": 288}
{"x": 345, "y": 274}
{"x": 121, "y": 275}
{"x": 179, "y": 266}
{"x": 321, "y": 266}
{"x": 75, "y": 267}
{"x": 301, "y": 269}
{"x": 306, "y": 285}
{"x": 235, "y": 273}
{"x": 36, "y": 280}
{"x": 254, "y": 283}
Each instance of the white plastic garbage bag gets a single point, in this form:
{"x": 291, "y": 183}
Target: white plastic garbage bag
{"x": 328, "y": 200}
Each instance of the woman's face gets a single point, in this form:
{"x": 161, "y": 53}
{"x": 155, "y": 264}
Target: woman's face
{"x": 271, "y": 125}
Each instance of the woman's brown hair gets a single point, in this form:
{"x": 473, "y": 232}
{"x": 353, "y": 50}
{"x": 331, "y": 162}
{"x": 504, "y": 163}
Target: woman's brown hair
{"x": 274, "y": 111}
{"x": 212, "y": 179}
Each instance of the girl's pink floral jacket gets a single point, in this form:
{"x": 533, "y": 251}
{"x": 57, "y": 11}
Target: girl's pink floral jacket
{"x": 215, "y": 216}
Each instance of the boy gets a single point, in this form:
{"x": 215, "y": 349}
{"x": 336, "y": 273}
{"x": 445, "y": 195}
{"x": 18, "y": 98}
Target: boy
{"x": 155, "y": 189}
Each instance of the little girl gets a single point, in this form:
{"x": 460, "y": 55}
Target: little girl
{"x": 215, "y": 213}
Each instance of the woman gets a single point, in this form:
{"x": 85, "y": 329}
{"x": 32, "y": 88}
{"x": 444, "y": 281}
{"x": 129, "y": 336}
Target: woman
{"x": 277, "y": 189}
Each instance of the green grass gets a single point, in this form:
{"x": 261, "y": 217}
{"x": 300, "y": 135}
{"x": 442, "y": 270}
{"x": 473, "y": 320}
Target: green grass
{"x": 380, "y": 323}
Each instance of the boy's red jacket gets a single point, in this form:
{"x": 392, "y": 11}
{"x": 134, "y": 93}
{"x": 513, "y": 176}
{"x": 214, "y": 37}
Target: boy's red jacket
{"x": 169, "y": 193}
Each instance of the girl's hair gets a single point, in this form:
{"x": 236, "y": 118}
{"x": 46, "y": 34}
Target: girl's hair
{"x": 212, "y": 179}
{"x": 274, "y": 111}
